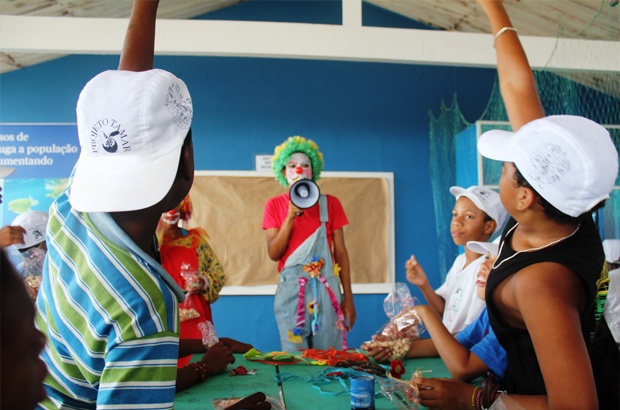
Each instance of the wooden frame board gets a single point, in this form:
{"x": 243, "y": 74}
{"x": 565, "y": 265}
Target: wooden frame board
{"x": 229, "y": 205}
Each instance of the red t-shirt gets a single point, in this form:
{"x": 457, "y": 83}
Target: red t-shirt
{"x": 276, "y": 210}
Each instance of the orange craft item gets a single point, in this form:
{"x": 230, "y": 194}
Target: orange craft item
{"x": 333, "y": 356}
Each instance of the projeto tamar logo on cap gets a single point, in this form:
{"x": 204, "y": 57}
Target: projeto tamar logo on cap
{"x": 105, "y": 133}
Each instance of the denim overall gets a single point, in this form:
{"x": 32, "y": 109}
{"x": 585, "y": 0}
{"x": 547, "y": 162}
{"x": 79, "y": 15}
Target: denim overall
{"x": 288, "y": 301}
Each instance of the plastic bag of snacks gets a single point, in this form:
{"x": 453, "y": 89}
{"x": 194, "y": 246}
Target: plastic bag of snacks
{"x": 32, "y": 265}
{"x": 192, "y": 283}
{"x": 404, "y": 324}
{"x": 209, "y": 336}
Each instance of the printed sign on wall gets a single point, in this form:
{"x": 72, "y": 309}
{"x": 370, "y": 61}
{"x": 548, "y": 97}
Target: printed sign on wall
{"x": 43, "y": 156}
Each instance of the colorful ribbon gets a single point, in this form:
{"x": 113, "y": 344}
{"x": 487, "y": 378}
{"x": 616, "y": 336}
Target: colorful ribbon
{"x": 337, "y": 309}
{"x": 294, "y": 335}
{"x": 314, "y": 271}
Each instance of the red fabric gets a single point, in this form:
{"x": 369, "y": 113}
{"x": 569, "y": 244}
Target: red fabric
{"x": 276, "y": 210}
{"x": 172, "y": 256}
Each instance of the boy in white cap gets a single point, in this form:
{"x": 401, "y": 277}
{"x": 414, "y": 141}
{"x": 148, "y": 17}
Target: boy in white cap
{"x": 33, "y": 225}
{"x": 612, "y": 303}
{"x": 108, "y": 308}
{"x": 542, "y": 293}
{"x": 478, "y": 214}
{"x": 32, "y": 248}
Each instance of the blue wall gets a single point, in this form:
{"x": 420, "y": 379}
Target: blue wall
{"x": 364, "y": 116}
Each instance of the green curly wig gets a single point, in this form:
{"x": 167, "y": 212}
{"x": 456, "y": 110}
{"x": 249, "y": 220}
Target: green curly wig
{"x": 283, "y": 153}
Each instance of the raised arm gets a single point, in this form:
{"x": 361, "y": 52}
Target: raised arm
{"x": 139, "y": 46}
{"x": 516, "y": 79}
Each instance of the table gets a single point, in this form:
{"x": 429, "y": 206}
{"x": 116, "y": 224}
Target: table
{"x": 298, "y": 394}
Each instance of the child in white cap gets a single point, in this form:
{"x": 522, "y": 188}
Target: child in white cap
{"x": 543, "y": 292}
{"x": 108, "y": 308}
{"x": 478, "y": 214}
{"x": 612, "y": 305}
{"x": 32, "y": 248}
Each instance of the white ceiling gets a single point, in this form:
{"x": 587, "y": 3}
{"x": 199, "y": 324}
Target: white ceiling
{"x": 573, "y": 19}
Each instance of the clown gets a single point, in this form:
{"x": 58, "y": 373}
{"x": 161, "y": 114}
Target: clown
{"x": 310, "y": 308}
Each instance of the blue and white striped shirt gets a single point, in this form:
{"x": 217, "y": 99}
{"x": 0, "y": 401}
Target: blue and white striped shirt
{"x": 110, "y": 313}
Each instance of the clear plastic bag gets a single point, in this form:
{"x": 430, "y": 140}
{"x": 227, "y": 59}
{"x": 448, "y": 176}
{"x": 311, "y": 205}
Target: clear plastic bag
{"x": 187, "y": 309}
{"x": 399, "y": 393}
{"x": 209, "y": 336}
{"x": 398, "y": 299}
{"x": 33, "y": 260}
{"x": 193, "y": 284}
{"x": 404, "y": 325}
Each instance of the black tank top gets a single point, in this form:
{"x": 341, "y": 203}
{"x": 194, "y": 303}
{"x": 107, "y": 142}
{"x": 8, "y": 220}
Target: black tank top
{"x": 583, "y": 254}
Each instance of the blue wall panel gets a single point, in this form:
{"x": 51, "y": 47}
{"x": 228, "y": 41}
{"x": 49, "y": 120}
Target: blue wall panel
{"x": 466, "y": 158}
{"x": 364, "y": 116}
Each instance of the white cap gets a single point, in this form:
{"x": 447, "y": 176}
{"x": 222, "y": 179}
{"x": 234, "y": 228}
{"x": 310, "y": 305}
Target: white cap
{"x": 570, "y": 161}
{"x": 35, "y": 224}
{"x": 612, "y": 250}
{"x": 484, "y": 247}
{"x": 486, "y": 200}
{"x": 6, "y": 171}
{"x": 131, "y": 127}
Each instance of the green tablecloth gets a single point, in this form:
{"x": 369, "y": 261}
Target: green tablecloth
{"x": 298, "y": 394}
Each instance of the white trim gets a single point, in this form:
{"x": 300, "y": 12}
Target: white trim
{"x": 349, "y": 42}
{"x": 352, "y": 13}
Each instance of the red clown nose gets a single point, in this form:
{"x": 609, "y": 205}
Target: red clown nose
{"x": 299, "y": 170}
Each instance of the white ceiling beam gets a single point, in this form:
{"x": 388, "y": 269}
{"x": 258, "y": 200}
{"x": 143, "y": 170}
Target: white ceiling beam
{"x": 352, "y": 13}
{"x": 350, "y": 42}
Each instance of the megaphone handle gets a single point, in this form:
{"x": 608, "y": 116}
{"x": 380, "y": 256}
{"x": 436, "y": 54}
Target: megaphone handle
{"x": 299, "y": 213}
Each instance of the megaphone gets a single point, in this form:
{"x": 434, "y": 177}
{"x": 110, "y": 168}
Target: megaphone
{"x": 304, "y": 193}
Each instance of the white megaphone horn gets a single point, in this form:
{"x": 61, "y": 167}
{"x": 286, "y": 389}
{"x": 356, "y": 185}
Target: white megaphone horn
{"x": 304, "y": 193}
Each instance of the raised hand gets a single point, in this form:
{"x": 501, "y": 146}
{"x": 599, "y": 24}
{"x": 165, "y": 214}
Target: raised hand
{"x": 415, "y": 273}
{"x": 10, "y": 235}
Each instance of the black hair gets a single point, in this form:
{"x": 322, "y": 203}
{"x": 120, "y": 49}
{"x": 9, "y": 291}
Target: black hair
{"x": 549, "y": 210}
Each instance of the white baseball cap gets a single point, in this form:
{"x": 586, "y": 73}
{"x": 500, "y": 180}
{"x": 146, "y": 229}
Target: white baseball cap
{"x": 6, "y": 171}
{"x": 35, "y": 224}
{"x": 612, "y": 250}
{"x": 570, "y": 161}
{"x": 483, "y": 247}
{"x": 131, "y": 127}
{"x": 486, "y": 200}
